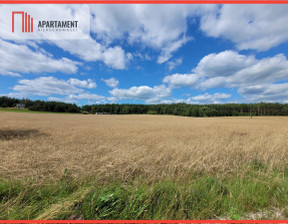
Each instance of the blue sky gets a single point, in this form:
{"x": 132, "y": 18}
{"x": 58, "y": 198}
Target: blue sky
{"x": 151, "y": 54}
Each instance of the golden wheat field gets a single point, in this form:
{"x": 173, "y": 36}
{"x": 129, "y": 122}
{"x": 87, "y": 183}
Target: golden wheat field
{"x": 41, "y": 146}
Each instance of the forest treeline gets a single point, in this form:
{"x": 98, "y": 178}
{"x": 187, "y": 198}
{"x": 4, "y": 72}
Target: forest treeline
{"x": 209, "y": 110}
{"x": 39, "y": 105}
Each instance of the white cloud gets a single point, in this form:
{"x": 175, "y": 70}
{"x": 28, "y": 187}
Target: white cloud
{"x": 142, "y": 93}
{"x": 182, "y": 80}
{"x": 259, "y": 27}
{"x": 89, "y": 83}
{"x": 175, "y": 63}
{"x": 45, "y": 86}
{"x": 112, "y": 82}
{"x": 91, "y": 50}
{"x": 162, "y": 27}
{"x": 265, "y": 93}
{"x": 230, "y": 69}
{"x": 207, "y": 98}
{"x": 254, "y": 78}
{"x": 73, "y": 98}
{"x": 80, "y": 43}
{"x": 86, "y": 96}
{"x": 142, "y": 57}
{"x": 225, "y": 63}
{"x": 112, "y": 99}
{"x": 51, "y": 86}
{"x": 199, "y": 99}
{"x": 17, "y": 59}
{"x": 167, "y": 51}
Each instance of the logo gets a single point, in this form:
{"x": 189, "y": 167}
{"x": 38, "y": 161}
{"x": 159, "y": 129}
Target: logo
{"x": 27, "y": 22}
{"x": 44, "y": 22}
{"x": 52, "y": 26}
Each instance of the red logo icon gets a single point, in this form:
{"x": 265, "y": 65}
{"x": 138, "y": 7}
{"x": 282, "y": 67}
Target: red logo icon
{"x": 27, "y": 22}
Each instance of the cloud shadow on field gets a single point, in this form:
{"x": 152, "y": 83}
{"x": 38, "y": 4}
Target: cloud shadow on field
{"x": 11, "y": 134}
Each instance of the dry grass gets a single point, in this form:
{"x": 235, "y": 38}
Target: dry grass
{"x": 42, "y": 146}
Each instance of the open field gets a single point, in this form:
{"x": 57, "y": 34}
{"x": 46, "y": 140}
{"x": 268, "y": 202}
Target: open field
{"x": 44, "y": 145}
{"x": 230, "y": 154}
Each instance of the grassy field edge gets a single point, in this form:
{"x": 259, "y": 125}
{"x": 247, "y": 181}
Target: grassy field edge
{"x": 195, "y": 197}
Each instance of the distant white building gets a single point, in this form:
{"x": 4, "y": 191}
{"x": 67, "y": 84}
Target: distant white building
{"x": 101, "y": 113}
{"x": 20, "y": 106}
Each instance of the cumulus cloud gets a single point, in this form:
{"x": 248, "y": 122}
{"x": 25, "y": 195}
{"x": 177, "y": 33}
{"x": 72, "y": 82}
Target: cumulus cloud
{"x": 52, "y": 87}
{"x": 89, "y": 83}
{"x": 167, "y": 51}
{"x": 145, "y": 93}
{"x": 73, "y": 98}
{"x": 18, "y": 58}
{"x": 225, "y": 63}
{"x": 182, "y": 80}
{"x": 90, "y": 50}
{"x": 240, "y": 70}
{"x": 162, "y": 27}
{"x": 112, "y": 82}
{"x": 173, "y": 64}
{"x": 45, "y": 86}
{"x": 80, "y": 43}
{"x": 86, "y": 96}
{"x": 232, "y": 70}
{"x": 208, "y": 98}
{"x": 257, "y": 27}
{"x": 141, "y": 92}
{"x": 254, "y": 78}
{"x": 199, "y": 99}
{"x": 265, "y": 93}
